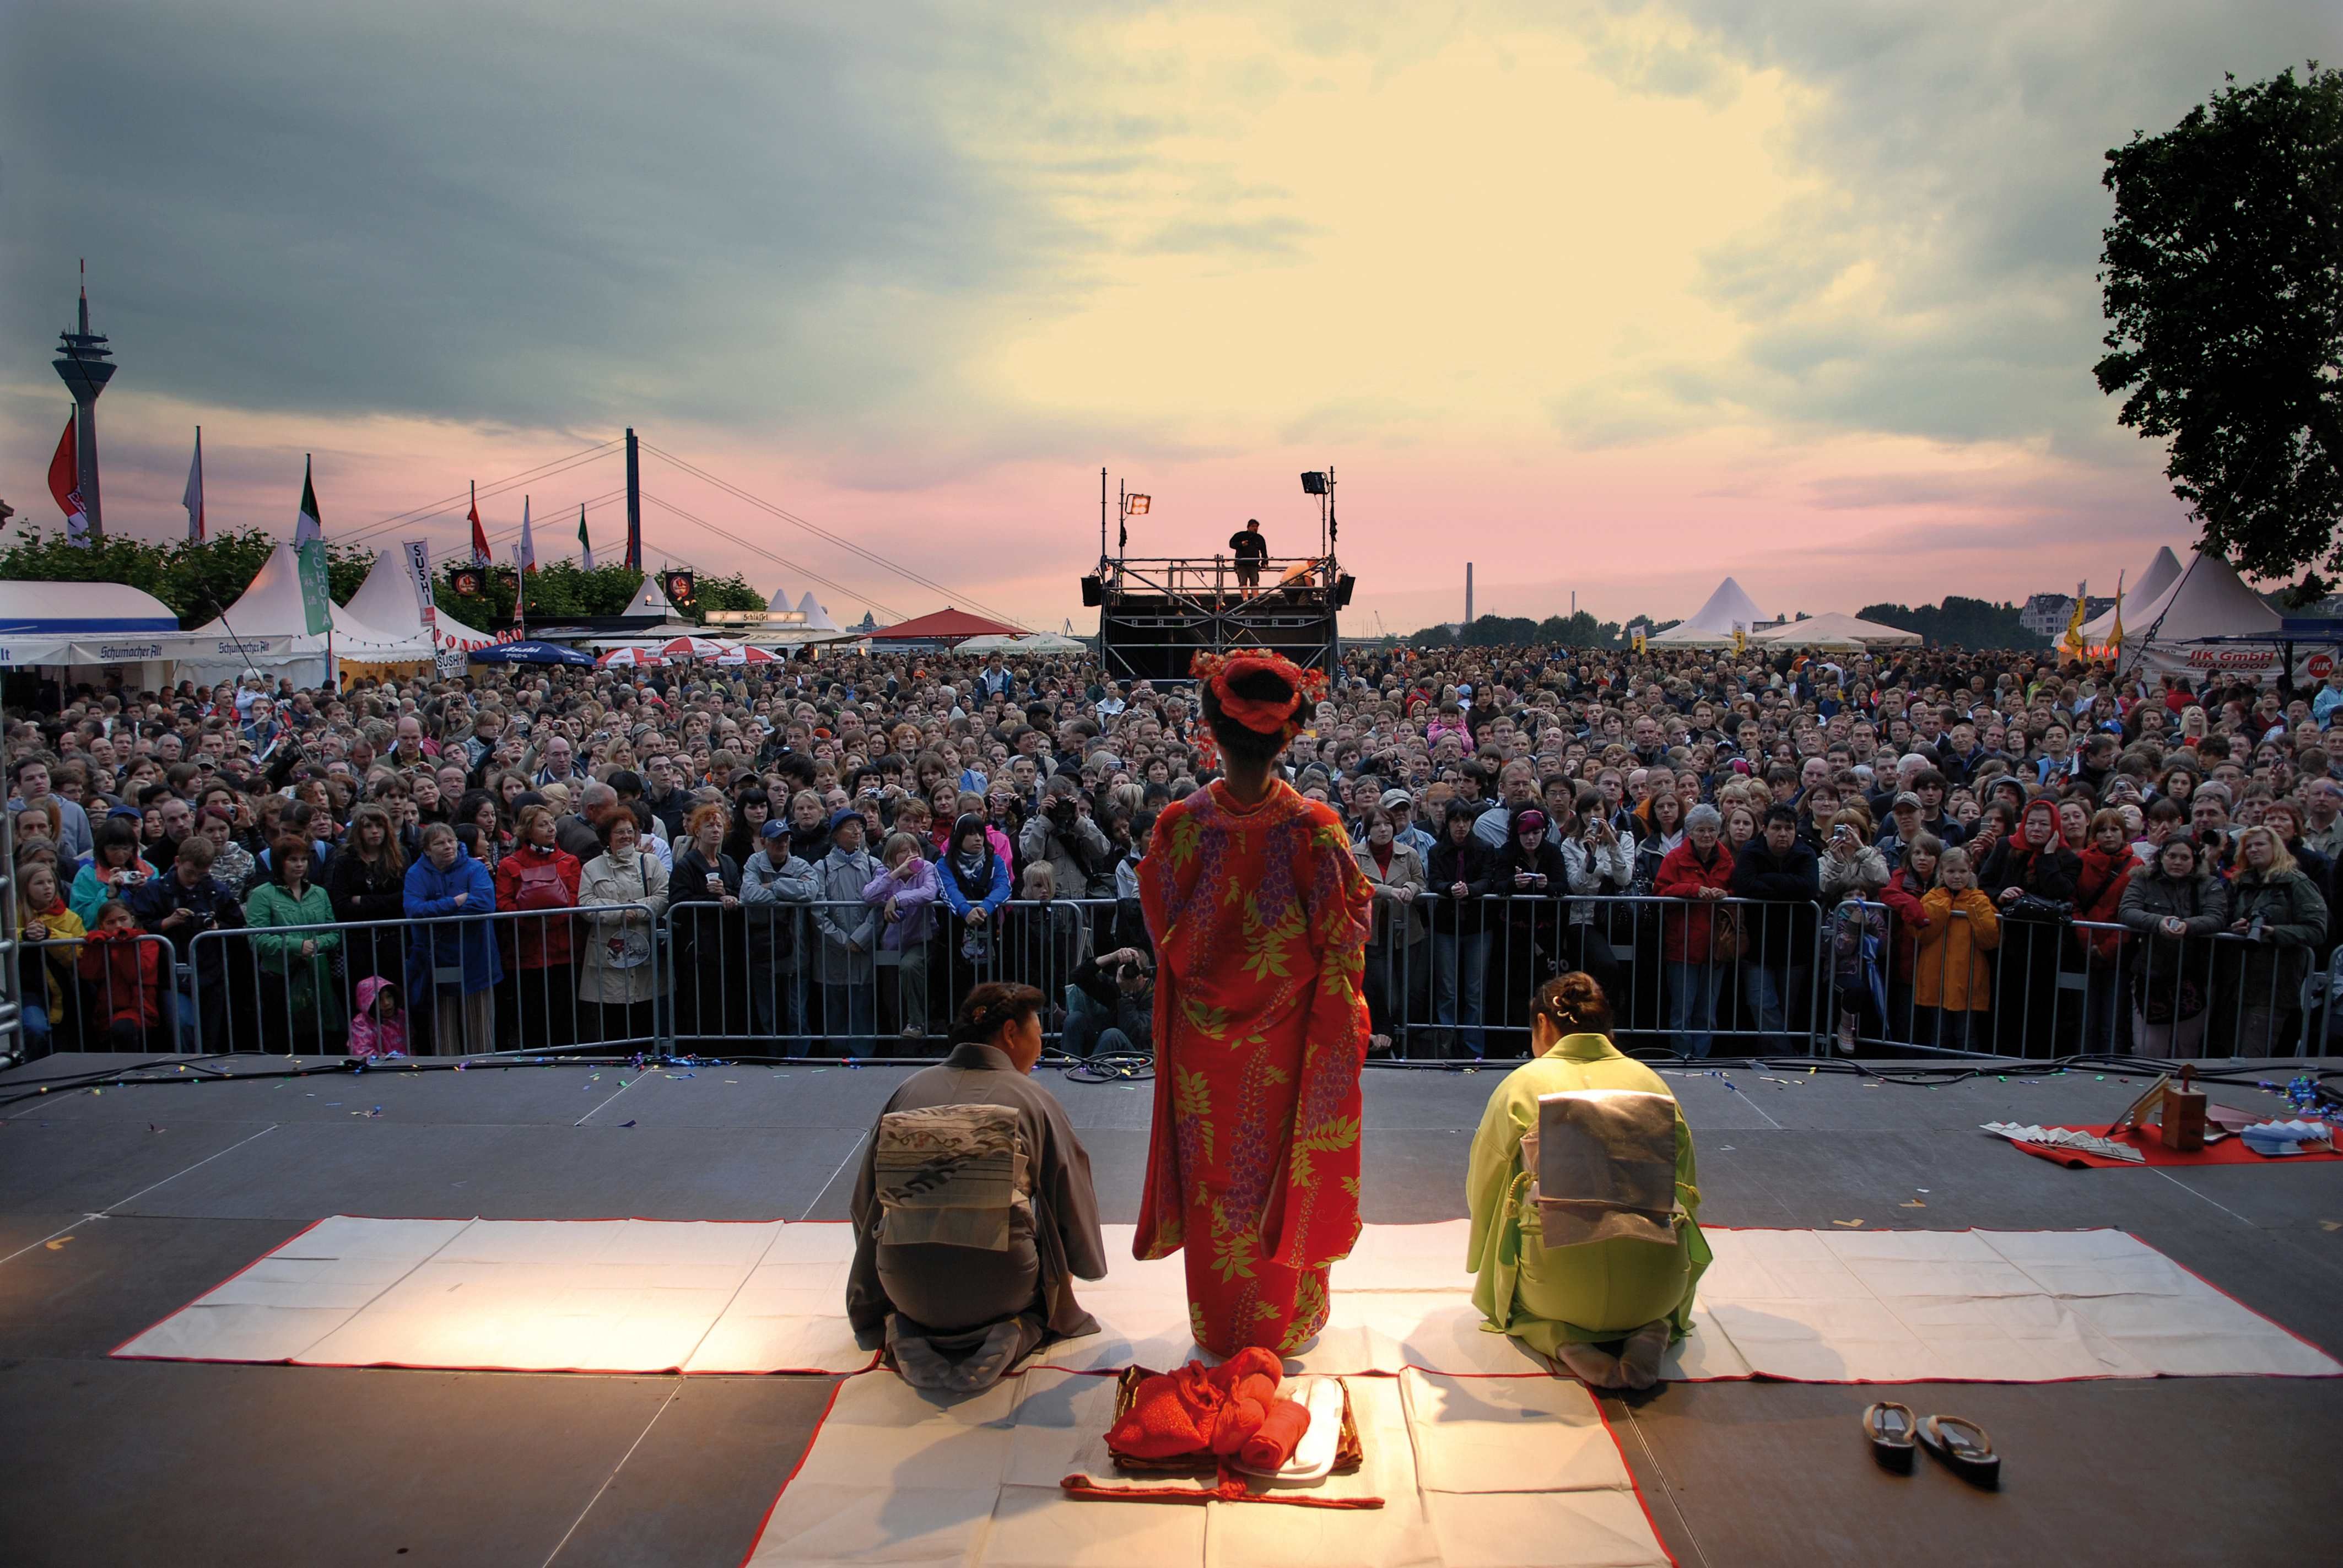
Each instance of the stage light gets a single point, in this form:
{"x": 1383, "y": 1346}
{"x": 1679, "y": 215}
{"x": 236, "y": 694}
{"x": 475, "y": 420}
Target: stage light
{"x": 1314, "y": 483}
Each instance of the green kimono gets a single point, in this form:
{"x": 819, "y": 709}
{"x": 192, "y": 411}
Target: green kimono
{"x": 1596, "y": 1291}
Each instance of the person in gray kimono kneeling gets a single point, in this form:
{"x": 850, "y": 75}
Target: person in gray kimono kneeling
{"x": 973, "y": 1211}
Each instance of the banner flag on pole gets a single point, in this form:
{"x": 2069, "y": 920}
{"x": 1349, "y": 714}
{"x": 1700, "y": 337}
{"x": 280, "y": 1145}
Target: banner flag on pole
{"x": 480, "y": 556}
{"x": 64, "y": 483}
{"x": 585, "y": 545}
{"x": 2073, "y": 642}
{"x": 526, "y": 551}
{"x": 310, "y": 528}
{"x": 194, "y": 497}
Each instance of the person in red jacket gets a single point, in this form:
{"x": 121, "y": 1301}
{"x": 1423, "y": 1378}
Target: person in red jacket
{"x": 2108, "y": 865}
{"x": 1697, "y": 869}
{"x": 539, "y": 875}
{"x": 126, "y": 973}
{"x": 1915, "y": 874}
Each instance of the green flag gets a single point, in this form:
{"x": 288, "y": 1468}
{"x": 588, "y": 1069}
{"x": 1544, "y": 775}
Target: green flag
{"x": 316, "y": 605}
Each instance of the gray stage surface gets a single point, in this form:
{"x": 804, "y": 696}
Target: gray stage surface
{"x": 117, "y": 1208}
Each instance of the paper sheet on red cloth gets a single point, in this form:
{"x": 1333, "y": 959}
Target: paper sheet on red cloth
{"x": 2230, "y": 1151}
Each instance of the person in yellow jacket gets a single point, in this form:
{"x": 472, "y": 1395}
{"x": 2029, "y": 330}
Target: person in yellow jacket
{"x": 1608, "y": 1304}
{"x": 1952, "y": 984}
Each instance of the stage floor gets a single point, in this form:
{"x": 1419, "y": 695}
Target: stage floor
{"x": 118, "y": 1208}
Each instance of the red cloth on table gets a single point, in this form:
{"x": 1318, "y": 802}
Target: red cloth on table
{"x": 2230, "y": 1151}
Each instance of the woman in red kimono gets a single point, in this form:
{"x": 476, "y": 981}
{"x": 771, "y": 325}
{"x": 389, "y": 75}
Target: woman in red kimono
{"x": 1260, "y": 919}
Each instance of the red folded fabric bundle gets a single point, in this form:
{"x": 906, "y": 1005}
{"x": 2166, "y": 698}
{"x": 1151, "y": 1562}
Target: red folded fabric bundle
{"x": 1198, "y": 1408}
{"x": 1280, "y": 1433}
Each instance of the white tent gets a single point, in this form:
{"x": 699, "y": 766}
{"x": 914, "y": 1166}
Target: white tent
{"x": 815, "y": 618}
{"x": 649, "y": 601}
{"x": 2137, "y": 595}
{"x": 1837, "y": 630}
{"x": 1728, "y": 611}
{"x": 780, "y": 601}
{"x": 267, "y": 629}
{"x": 2207, "y": 599}
{"x": 1032, "y": 642}
{"x": 89, "y": 625}
{"x": 387, "y": 600}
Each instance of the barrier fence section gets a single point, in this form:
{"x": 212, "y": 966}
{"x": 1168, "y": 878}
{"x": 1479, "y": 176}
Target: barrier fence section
{"x": 2029, "y": 982}
{"x": 115, "y": 993}
{"x": 1445, "y": 978}
{"x": 469, "y": 984}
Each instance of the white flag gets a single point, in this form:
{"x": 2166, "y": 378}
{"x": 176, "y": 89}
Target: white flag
{"x": 585, "y": 545}
{"x": 525, "y": 552}
{"x": 310, "y": 528}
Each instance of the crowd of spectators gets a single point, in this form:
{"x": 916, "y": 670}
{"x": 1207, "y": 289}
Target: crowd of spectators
{"x": 1936, "y": 848}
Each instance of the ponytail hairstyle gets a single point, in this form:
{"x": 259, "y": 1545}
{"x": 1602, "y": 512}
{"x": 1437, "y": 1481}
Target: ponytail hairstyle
{"x": 986, "y": 1008}
{"x": 1574, "y": 1003}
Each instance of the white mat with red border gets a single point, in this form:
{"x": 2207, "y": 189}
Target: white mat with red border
{"x": 645, "y": 1296}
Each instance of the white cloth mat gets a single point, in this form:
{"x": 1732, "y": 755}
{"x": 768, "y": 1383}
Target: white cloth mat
{"x": 1500, "y": 1473}
{"x": 637, "y": 1295}
{"x": 531, "y": 1295}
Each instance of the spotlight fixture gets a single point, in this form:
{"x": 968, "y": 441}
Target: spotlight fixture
{"x": 1314, "y": 483}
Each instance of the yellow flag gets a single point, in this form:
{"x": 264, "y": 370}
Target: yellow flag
{"x": 2073, "y": 642}
{"x": 1740, "y": 640}
{"x": 1639, "y": 642}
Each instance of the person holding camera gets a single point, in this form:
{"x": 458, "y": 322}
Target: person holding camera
{"x": 113, "y": 870}
{"x": 1111, "y": 1005}
{"x": 180, "y": 905}
{"x": 1065, "y": 834}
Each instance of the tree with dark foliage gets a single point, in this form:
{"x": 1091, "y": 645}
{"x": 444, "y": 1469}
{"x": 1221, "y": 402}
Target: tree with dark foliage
{"x": 2223, "y": 289}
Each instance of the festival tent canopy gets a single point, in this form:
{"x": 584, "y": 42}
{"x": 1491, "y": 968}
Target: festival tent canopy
{"x": 267, "y": 629}
{"x": 2137, "y": 595}
{"x": 2207, "y": 599}
{"x": 1837, "y": 630}
{"x": 1728, "y": 611}
{"x": 1038, "y": 642}
{"x": 947, "y": 625}
{"x": 387, "y": 599}
{"x": 815, "y": 618}
{"x": 780, "y": 601}
{"x": 87, "y": 623}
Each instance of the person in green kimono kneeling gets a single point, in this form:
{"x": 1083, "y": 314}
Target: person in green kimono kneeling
{"x": 1585, "y": 1247}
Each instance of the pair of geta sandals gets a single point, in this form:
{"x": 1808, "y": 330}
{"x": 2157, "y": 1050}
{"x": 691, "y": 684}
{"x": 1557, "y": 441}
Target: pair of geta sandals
{"x": 1961, "y": 1445}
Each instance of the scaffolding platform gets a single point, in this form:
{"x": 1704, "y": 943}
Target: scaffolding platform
{"x": 1155, "y": 615}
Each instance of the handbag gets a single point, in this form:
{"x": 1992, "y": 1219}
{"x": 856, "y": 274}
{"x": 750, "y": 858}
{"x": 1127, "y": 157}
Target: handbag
{"x": 1725, "y": 936}
{"x": 629, "y": 947}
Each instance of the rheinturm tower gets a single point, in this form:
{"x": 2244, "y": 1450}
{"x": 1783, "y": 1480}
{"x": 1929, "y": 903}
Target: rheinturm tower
{"x": 86, "y": 365}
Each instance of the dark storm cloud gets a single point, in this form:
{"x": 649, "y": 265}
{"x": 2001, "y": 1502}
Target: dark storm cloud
{"x": 551, "y": 214}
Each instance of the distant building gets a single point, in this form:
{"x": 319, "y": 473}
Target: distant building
{"x": 2046, "y": 613}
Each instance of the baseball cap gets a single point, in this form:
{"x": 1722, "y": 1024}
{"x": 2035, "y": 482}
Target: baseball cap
{"x": 1393, "y": 798}
{"x": 774, "y": 827}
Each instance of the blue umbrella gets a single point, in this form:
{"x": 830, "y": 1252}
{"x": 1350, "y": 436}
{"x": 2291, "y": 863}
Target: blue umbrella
{"x": 530, "y": 653}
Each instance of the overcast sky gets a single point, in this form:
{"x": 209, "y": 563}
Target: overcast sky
{"x": 1605, "y": 297}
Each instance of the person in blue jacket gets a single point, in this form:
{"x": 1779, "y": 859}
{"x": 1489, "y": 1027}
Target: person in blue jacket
{"x": 975, "y": 883}
{"x": 453, "y": 961}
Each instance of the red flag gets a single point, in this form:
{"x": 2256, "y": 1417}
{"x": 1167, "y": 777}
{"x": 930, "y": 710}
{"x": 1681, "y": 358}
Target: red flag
{"x": 480, "y": 556}
{"x": 64, "y": 483}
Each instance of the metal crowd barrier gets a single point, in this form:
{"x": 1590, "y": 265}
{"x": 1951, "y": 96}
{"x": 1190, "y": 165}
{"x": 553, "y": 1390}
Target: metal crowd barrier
{"x": 1445, "y": 978}
{"x": 1454, "y": 978}
{"x": 820, "y": 979}
{"x": 2048, "y": 986}
{"x": 266, "y": 989}
{"x": 123, "y": 999}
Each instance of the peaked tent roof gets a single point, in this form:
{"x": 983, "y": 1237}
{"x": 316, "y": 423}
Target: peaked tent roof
{"x": 780, "y": 601}
{"x": 815, "y": 618}
{"x": 1837, "y": 631}
{"x": 2208, "y": 599}
{"x": 2151, "y": 585}
{"x": 1728, "y": 610}
{"x": 946, "y": 624}
{"x": 270, "y": 606}
{"x": 649, "y": 601}
{"x": 387, "y": 599}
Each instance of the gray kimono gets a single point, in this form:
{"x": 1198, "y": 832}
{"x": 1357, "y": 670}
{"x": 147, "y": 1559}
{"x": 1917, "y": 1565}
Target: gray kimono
{"x": 1052, "y": 1241}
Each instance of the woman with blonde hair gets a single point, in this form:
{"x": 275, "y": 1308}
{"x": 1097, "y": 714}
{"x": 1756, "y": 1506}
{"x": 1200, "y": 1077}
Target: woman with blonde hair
{"x": 2278, "y": 911}
{"x": 1604, "y": 1285}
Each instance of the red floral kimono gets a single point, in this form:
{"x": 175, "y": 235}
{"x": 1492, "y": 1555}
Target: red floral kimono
{"x": 1259, "y": 920}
